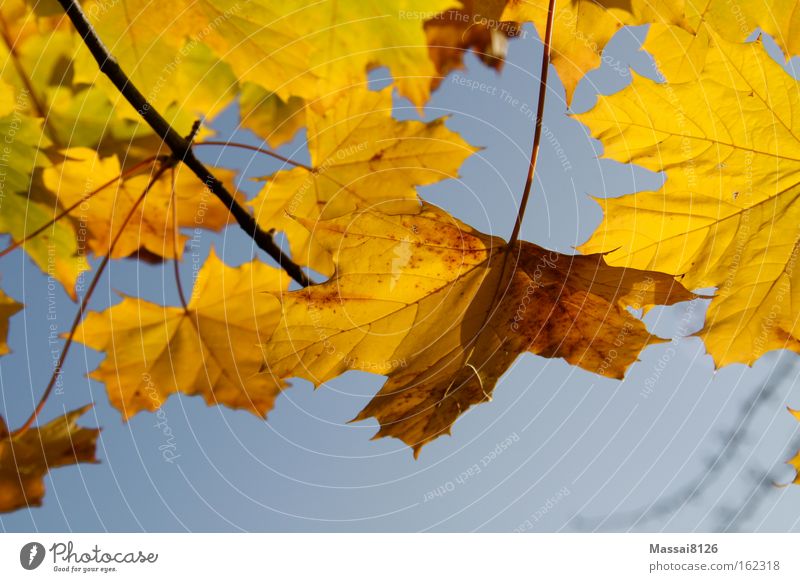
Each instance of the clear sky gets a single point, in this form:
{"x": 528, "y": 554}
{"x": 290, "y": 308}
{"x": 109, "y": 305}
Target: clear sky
{"x": 558, "y": 449}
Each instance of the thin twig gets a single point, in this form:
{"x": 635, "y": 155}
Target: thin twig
{"x": 253, "y": 148}
{"x": 504, "y": 266}
{"x": 180, "y": 146}
{"x": 537, "y": 132}
{"x": 175, "y": 234}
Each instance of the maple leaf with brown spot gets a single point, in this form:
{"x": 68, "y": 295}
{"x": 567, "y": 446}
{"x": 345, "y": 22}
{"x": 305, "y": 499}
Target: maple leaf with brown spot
{"x": 360, "y": 156}
{"x": 443, "y": 310}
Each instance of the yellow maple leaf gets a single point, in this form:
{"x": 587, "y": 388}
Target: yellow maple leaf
{"x": 347, "y": 38}
{"x": 582, "y": 28}
{"x": 8, "y": 307}
{"x": 356, "y": 149}
{"x": 151, "y": 227}
{"x": 268, "y": 116}
{"x": 411, "y": 298}
{"x": 25, "y": 459}
{"x": 25, "y": 207}
{"x": 210, "y": 349}
{"x": 727, "y": 215}
{"x": 680, "y": 51}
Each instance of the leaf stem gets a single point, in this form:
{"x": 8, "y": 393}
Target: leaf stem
{"x": 253, "y": 148}
{"x": 499, "y": 292}
{"x": 180, "y": 146}
{"x": 311, "y": 169}
{"x": 175, "y": 234}
{"x": 85, "y": 301}
{"x": 537, "y": 133}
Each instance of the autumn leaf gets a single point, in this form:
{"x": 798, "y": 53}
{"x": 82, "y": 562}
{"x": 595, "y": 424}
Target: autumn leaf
{"x": 411, "y": 300}
{"x": 151, "y": 226}
{"x": 180, "y": 77}
{"x": 727, "y": 215}
{"x": 291, "y": 48}
{"x": 582, "y": 28}
{"x": 56, "y": 250}
{"x": 209, "y": 349}
{"x": 26, "y": 459}
{"x": 680, "y": 51}
{"x": 25, "y": 209}
{"x": 348, "y": 38}
{"x": 43, "y": 107}
{"x": 475, "y": 26}
{"x": 8, "y": 307}
{"x": 268, "y": 116}
{"x": 360, "y": 156}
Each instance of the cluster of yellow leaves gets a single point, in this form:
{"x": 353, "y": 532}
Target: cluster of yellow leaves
{"x": 412, "y": 295}
{"x": 283, "y": 54}
{"x": 439, "y": 308}
{"x": 54, "y": 126}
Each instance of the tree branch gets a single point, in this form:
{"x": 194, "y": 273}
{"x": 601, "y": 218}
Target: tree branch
{"x": 180, "y": 146}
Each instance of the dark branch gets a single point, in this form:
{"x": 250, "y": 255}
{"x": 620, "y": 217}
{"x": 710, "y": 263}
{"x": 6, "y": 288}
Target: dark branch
{"x": 180, "y": 146}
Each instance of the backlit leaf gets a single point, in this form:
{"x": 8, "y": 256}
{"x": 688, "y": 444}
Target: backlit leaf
{"x": 151, "y": 227}
{"x": 27, "y": 458}
{"x": 727, "y": 215}
{"x": 211, "y": 349}
{"x": 413, "y": 298}
{"x": 360, "y": 156}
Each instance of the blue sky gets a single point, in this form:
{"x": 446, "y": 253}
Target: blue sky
{"x": 675, "y": 447}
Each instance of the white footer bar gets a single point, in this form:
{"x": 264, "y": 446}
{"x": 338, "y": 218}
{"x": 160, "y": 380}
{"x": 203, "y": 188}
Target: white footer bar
{"x": 401, "y": 557}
